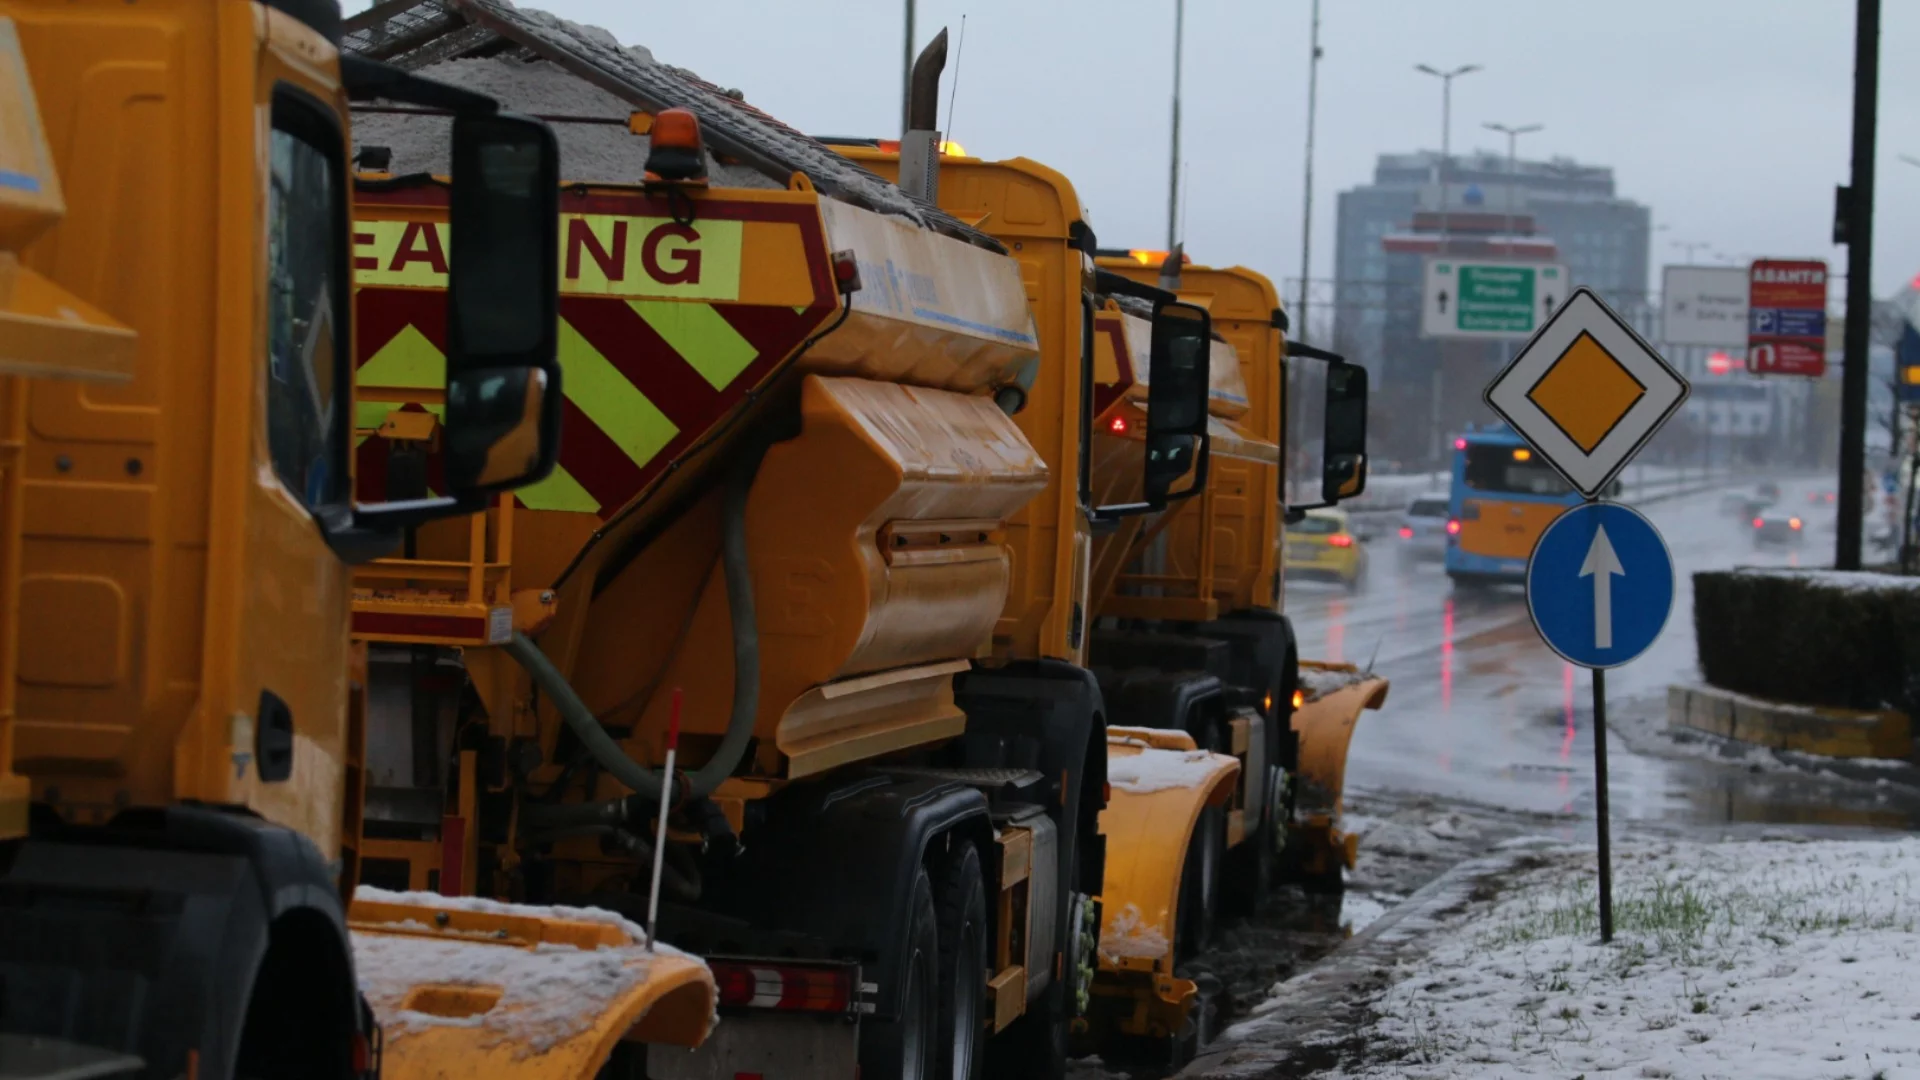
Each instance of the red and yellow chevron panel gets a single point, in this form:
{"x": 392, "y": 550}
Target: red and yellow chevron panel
{"x": 665, "y": 324}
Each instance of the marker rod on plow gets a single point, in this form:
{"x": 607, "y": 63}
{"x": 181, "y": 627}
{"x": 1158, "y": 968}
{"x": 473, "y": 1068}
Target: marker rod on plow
{"x": 660, "y": 830}
{"x": 1600, "y": 802}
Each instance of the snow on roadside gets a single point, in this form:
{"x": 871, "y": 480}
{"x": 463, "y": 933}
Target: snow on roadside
{"x": 1753, "y": 960}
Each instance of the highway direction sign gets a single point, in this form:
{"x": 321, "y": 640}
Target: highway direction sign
{"x": 1587, "y": 392}
{"x": 1704, "y": 305}
{"x": 1600, "y": 585}
{"x": 1490, "y": 299}
{"x": 1787, "y": 317}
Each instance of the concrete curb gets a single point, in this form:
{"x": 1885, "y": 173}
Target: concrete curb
{"x": 1809, "y": 729}
{"x": 1331, "y": 998}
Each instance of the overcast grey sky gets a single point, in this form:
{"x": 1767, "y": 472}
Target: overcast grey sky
{"x": 1730, "y": 118}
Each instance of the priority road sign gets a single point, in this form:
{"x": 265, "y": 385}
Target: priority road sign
{"x": 1587, "y": 392}
{"x": 1600, "y": 585}
{"x": 1489, "y": 299}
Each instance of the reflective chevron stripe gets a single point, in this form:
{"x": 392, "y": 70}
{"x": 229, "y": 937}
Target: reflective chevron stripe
{"x": 615, "y": 405}
{"x": 701, "y": 335}
{"x": 559, "y": 491}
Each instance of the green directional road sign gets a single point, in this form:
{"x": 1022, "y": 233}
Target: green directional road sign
{"x": 1490, "y": 299}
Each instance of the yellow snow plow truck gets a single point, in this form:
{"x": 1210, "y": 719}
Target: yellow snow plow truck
{"x": 178, "y": 727}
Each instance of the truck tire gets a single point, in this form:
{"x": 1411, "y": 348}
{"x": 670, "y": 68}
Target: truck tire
{"x": 906, "y": 1048}
{"x": 1253, "y": 867}
{"x": 960, "y": 907}
{"x": 1200, "y": 884}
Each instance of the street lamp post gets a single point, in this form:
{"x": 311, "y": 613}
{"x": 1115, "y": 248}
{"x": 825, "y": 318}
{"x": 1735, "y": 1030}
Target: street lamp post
{"x": 1446, "y": 129}
{"x": 1513, "y": 167}
{"x": 1446, "y": 164}
{"x": 1691, "y": 246}
{"x": 1306, "y": 212}
{"x": 1173, "y": 181}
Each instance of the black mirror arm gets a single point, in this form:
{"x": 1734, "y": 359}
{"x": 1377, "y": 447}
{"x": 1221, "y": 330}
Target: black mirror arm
{"x": 366, "y": 532}
{"x": 368, "y": 80}
{"x": 1109, "y": 283}
{"x": 1309, "y": 352}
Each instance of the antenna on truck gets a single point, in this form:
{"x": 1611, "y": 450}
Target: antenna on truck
{"x": 953, "y": 93}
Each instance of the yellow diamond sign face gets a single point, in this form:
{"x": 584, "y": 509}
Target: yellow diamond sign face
{"x": 1586, "y": 392}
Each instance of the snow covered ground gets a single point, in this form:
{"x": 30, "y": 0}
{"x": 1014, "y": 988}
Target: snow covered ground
{"x": 1752, "y": 960}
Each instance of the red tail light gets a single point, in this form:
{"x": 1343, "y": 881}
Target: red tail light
{"x": 1793, "y": 523}
{"x": 1459, "y": 444}
{"x": 1340, "y": 540}
{"x": 1757, "y": 522}
{"x": 1453, "y": 527}
{"x": 784, "y": 987}
{"x": 1406, "y": 533}
{"x": 1118, "y": 425}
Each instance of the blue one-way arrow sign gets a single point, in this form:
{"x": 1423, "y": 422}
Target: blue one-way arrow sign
{"x": 1600, "y": 584}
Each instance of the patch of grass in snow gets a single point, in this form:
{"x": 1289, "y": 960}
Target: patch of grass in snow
{"x": 1682, "y": 915}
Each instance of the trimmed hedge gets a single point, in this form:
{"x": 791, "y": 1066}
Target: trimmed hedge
{"x": 1849, "y": 640}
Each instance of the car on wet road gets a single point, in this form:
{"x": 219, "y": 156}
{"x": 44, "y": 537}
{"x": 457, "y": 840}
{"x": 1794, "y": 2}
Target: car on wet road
{"x": 1322, "y": 545}
{"x": 1423, "y": 529}
{"x": 1779, "y": 530}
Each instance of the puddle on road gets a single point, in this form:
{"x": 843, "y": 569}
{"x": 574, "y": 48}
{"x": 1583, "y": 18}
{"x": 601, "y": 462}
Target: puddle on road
{"x": 1720, "y": 794}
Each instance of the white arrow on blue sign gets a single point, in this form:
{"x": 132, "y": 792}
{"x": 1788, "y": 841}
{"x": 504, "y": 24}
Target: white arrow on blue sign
{"x": 1600, "y": 585}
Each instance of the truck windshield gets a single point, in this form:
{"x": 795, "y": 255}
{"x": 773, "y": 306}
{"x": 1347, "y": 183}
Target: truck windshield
{"x": 1498, "y": 469}
{"x": 306, "y": 323}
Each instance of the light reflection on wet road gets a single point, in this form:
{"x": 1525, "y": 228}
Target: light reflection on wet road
{"x": 1481, "y": 710}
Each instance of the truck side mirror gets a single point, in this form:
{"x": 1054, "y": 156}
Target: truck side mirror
{"x": 503, "y": 374}
{"x": 1345, "y": 456}
{"x": 1178, "y": 381}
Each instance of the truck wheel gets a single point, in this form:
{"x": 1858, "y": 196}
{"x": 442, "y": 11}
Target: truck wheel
{"x": 961, "y": 914}
{"x": 1200, "y": 883}
{"x": 906, "y": 1049}
{"x": 1252, "y": 867}
{"x": 1036, "y": 1046}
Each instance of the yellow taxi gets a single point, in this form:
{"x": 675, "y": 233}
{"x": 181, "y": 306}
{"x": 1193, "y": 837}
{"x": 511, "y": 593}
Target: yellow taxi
{"x": 1321, "y": 545}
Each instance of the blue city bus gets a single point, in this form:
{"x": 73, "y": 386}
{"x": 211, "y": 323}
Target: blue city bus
{"x": 1503, "y": 497}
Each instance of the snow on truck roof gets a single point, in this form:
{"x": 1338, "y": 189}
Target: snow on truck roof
{"x": 538, "y": 63}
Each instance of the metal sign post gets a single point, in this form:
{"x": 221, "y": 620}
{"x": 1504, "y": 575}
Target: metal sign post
{"x": 1587, "y": 392}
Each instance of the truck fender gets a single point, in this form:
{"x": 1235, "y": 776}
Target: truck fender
{"x": 155, "y": 934}
{"x": 1162, "y": 785}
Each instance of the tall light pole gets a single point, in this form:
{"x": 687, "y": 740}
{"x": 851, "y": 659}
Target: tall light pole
{"x": 1853, "y": 225}
{"x": 1513, "y": 167}
{"x": 1446, "y": 131}
{"x": 1446, "y": 163}
{"x": 1306, "y": 212}
{"x": 1173, "y": 173}
{"x": 906, "y": 73}
{"x": 1691, "y": 246}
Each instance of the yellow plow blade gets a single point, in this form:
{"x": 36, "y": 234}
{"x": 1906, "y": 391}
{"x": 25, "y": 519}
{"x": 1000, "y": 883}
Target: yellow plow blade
{"x": 467, "y": 988}
{"x": 1334, "y": 696}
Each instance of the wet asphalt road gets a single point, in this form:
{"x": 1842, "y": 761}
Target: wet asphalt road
{"x": 1481, "y": 711}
